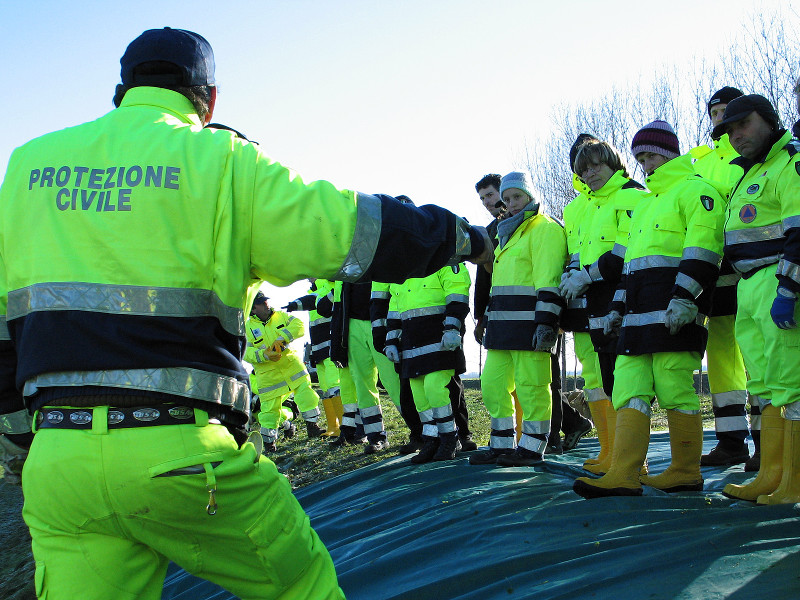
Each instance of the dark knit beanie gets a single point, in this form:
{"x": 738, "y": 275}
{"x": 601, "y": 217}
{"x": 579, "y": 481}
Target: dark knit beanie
{"x": 580, "y": 141}
{"x": 657, "y": 137}
{"x": 723, "y": 96}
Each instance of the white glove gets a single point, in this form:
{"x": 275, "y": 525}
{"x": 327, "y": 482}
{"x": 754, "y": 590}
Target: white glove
{"x": 680, "y": 312}
{"x": 451, "y": 340}
{"x": 544, "y": 338}
{"x": 392, "y": 353}
{"x": 612, "y": 322}
{"x": 575, "y": 284}
{"x": 12, "y": 459}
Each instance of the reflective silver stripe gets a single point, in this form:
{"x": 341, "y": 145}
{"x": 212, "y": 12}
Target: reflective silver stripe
{"x": 728, "y": 280}
{"x": 511, "y": 315}
{"x": 579, "y": 302}
{"x": 594, "y": 394}
{"x": 747, "y": 265}
{"x": 531, "y": 427}
{"x": 737, "y": 423}
{"x": 286, "y": 334}
{"x": 5, "y": 335}
{"x": 533, "y": 444}
{"x": 503, "y": 423}
{"x": 760, "y": 401}
{"x": 620, "y": 295}
{"x": 393, "y": 334}
{"x": 789, "y": 222}
{"x": 689, "y": 284}
{"x": 124, "y": 300}
{"x": 453, "y": 321}
{"x": 422, "y": 350}
{"x": 457, "y": 298}
{"x": 697, "y": 253}
{"x": 619, "y": 250}
{"x": 576, "y": 257}
{"x": 380, "y": 295}
{"x": 310, "y": 415}
{"x": 430, "y": 430}
{"x": 16, "y": 422}
{"x": 463, "y": 242}
{"x": 446, "y": 426}
{"x": 371, "y": 411}
{"x": 734, "y": 398}
{"x": 789, "y": 269}
{"x": 687, "y": 412}
{"x": 442, "y": 412}
{"x": 597, "y": 322}
{"x": 594, "y": 272}
{"x": 426, "y": 416}
{"x": 260, "y": 356}
{"x": 639, "y": 404}
{"x": 316, "y": 347}
{"x": 278, "y": 386}
{"x": 501, "y": 442}
{"x": 379, "y": 323}
{"x": 299, "y": 375}
{"x": 513, "y": 290}
{"x": 422, "y": 312}
{"x": 548, "y": 307}
{"x": 791, "y": 411}
{"x": 365, "y": 238}
{"x": 653, "y": 318}
{"x": 652, "y": 262}
{"x": 269, "y": 435}
{"x": 756, "y": 234}
{"x": 177, "y": 381}
{"x": 393, "y": 314}
{"x": 320, "y": 321}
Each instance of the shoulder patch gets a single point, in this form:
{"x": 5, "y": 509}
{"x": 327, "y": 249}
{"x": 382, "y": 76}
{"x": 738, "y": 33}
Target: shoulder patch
{"x": 707, "y": 202}
{"x": 456, "y": 268}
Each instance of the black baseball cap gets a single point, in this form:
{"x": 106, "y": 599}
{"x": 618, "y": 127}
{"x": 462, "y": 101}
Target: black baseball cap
{"x": 187, "y": 50}
{"x": 740, "y": 107}
{"x": 260, "y": 298}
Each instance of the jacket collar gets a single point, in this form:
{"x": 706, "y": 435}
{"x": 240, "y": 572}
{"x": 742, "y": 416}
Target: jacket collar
{"x": 668, "y": 174}
{"x": 615, "y": 182}
{"x": 168, "y": 101}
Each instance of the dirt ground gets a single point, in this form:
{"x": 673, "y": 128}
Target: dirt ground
{"x": 16, "y": 560}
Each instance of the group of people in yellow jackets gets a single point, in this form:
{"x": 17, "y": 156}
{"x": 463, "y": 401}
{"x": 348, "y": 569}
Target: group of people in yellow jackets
{"x": 646, "y": 278}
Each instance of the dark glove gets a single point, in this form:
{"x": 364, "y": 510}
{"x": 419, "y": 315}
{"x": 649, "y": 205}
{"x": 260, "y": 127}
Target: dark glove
{"x": 291, "y": 307}
{"x": 782, "y": 311}
{"x": 544, "y": 338}
{"x": 480, "y": 329}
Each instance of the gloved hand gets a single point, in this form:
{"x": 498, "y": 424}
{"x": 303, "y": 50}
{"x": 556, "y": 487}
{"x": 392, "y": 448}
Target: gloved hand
{"x": 289, "y": 307}
{"x": 544, "y": 338}
{"x": 575, "y": 284}
{"x": 782, "y": 311}
{"x": 274, "y": 351}
{"x": 392, "y": 353}
{"x": 612, "y": 322}
{"x": 451, "y": 340}
{"x": 680, "y": 312}
{"x": 480, "y": 329}
{"x": 12, "y": 459}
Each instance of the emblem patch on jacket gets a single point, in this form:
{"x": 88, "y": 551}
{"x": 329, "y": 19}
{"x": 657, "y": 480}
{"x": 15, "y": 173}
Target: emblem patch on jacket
{"x": 707, "y": 202}
{"x": 753, "y": 188}
{"x": 748, "y": 213}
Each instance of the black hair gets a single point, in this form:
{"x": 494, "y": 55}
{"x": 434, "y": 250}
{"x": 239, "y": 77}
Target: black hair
{"x": 492, "y": 179}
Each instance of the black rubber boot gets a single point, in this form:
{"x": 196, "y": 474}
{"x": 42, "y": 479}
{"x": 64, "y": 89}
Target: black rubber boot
{"x": 429, "y": 448}
{"x": 449, "y": 445}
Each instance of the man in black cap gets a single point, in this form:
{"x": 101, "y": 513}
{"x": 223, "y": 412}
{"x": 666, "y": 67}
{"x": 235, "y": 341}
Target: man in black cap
{"x": 726, "y": 373}
{"x": 141, "y": 411}
{"x": 762, "y": 241}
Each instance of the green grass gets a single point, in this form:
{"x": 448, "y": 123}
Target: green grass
{"x": 305, "y": 461}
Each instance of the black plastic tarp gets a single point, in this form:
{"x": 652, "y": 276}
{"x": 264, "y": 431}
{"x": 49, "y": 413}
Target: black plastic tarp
{"x": 455, "y": 531}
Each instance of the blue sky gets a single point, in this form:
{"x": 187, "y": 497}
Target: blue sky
{"x": 416, "y": 97}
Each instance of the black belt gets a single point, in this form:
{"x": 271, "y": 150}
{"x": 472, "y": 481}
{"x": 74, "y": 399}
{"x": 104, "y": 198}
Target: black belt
{"x": 118, "y": 418}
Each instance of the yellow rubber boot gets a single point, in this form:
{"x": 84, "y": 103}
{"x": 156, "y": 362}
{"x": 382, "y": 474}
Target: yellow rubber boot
{"x": 331, "y": 418}
{"x": 338, "y": 409}
{"x": 607, "y": 419}
{"x": 771, "y": 469}
{"x": 632, "y": 436}
{"x": 788, "y": 491}
{"x": 686, "y": 445}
